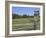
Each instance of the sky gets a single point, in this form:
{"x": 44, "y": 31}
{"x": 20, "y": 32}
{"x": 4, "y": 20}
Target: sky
{"x": 24, "y": 10}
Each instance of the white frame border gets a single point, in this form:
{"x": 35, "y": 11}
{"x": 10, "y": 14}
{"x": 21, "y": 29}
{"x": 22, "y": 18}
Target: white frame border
{"x": 24, "y": 32}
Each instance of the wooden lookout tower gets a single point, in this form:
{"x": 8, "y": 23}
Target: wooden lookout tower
{"x": 36, "y": 20}
{"x": 36, "y": 13}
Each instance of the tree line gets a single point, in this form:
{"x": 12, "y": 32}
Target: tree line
{"x": 20, "y": 16}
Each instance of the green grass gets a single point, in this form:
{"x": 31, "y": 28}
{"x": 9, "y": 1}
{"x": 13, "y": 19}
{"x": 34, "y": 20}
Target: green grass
{"x": 25, "y": 24}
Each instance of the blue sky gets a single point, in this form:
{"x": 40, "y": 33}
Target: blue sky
{"x": 24, "y": 10}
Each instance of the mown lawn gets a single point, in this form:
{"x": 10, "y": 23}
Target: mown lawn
{"x": 25, "y": 24}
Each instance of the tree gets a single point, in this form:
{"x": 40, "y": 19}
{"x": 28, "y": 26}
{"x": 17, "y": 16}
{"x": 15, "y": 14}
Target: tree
{"x": 24, "y": 16}
{"x": 14, "y": 16}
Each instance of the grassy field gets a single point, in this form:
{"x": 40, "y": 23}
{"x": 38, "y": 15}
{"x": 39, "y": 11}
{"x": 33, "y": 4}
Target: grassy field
{"x": 26, "y": 24}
